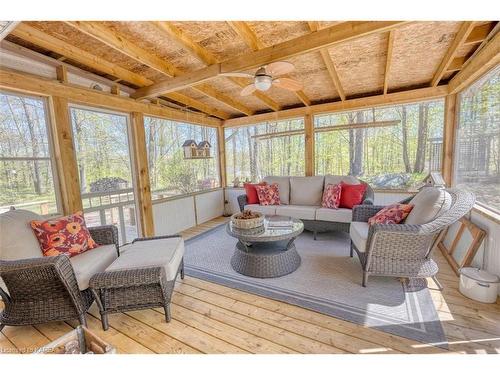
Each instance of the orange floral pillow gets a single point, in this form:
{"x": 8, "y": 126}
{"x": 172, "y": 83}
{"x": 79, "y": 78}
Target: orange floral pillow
{"x": 392, "y": 214}
{"x": 66, "y": 235}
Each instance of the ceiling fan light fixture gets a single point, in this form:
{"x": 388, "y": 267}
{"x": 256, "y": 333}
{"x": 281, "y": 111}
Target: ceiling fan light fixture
{"x": 263, "y": 82}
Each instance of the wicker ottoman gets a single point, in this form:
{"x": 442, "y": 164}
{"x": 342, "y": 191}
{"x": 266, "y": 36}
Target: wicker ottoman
{"x": 142, "y": 277}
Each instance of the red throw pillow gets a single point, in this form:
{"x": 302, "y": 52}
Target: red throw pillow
{"x": 269, "y": 195}
{"x": 252, "y": 197}
{"x": 392, "y": 214}
{"x": 331, "y": 196}
{"x": 66, "y": 235}
{"x": 351, "y": 195}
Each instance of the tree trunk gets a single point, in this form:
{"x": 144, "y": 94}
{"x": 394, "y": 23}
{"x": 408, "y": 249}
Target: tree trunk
{"x": 423, "y": 110}
{"x": 356, "y": 140}
{"x": 404, "y": 131}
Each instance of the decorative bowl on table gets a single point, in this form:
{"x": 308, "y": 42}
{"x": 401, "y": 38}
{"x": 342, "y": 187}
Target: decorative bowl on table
{"x": 247, "y": 219}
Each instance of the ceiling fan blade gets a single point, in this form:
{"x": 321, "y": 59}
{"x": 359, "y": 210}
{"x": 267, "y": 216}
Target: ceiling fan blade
{"x": 237, "y": 74}
{"x": 288, "y": 83}
{"x": 248, "y": 90}
{"x": 279, "y": 67}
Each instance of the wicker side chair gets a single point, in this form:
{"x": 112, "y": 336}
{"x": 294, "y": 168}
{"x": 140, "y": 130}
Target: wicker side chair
{"x": 44, "y": 289}
{"x": 404, "y": 250}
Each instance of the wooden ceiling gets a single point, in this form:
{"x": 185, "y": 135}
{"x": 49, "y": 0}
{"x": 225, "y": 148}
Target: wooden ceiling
{"x": 180, "y": 61}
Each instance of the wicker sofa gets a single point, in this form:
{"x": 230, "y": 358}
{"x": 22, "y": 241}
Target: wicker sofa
{"x": 301, "y": 198}
{"x": 404, "y": 250}
{"x": 37, "y": 289}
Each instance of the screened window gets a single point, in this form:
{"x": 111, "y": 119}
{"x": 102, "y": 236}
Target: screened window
{"x": 389, "y": 147}
{"x": 173, "y": 172}
{"x": 26, "y": 168}
{"x": 104, "y": 166}
{"x": 271, "y": 148}
{"x": 477, "y": 148}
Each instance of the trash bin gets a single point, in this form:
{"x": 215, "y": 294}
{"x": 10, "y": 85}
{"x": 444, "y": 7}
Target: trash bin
{"x": 478, "y": 284}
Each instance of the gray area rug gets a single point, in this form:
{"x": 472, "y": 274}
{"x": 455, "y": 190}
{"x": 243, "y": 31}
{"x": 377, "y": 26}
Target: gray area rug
{"x": 328, "y": 281}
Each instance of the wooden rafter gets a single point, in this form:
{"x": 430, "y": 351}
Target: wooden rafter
{"x": 61, "y": 47}
{"x": 485, "y": 59}
{"x": 330, "y": 66}
{"x": 390, "y": 44}
{"x": 119, "y": 43}
{"x": 208, "y": 58}
{"x": 460, "y": 38}
{"x": 8, "y": 28}
{"x": 255, "y": 44}
{"x": 304, "y": 44}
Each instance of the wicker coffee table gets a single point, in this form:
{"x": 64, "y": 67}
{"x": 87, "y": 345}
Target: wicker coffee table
{"x": 266, "y": 251}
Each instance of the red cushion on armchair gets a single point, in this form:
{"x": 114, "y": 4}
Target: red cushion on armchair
{"x": 251, "y": 192}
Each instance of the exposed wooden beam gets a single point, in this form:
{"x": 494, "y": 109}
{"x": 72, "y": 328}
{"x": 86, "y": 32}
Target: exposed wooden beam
{"x": 487, "y": 58}
{"x": 390, "y": 44}
{"x": 297, "y": 46}
{"x": 450, "y": 114}
{"x": 207, "y": 57}
{"x": 115, "y": 89}
{"x": 64, "y": 154}
{"x": 186, "y": 79}
{"x": 18, "y": 81}
{"x": 462, "y": 34}
{"x": 478, "y": 34}
{"x": 395, "y": 98}
{"x": 141, "y": 175}
{"x": 309, "y": 144}
{"x": 59, "y": 46}
{"x": 327, "y": 60}
{"x": 253, "y": 42}
{"x": 245, "y": 32}
{"x": 457, "y": 64}
{"x": 8, "y": 28}
{"x": 221, "y": 148}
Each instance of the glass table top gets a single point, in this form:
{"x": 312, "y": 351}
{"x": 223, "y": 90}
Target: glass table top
{"x": 275, "y": 228}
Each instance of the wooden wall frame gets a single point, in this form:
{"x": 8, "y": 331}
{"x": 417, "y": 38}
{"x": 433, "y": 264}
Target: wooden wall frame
{"x": 477, "y": 235}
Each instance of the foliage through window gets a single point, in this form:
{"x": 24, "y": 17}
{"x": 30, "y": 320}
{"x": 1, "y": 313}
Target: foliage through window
{"x": 169, "y": 171}
{"x": 25, "y": 155}
{"x": 271, "y": 148}
{"x": 104, "y": 167}
{"x": 477, "y": 147}
{"x": 388, "y": 147}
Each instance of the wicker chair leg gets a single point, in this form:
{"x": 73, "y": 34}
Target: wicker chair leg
{"x": 315, "y": 235}
{"x": 182, "y": 272}
{"x": 352, "y": 251}
{"x": 438, "y": 284}
{"x": 83, "y": 319}
{"x": 168, "y": 314}
{"x": 365, "y": 278}
{"x": 104, "y": 321}
{"x": 2, "y": 326}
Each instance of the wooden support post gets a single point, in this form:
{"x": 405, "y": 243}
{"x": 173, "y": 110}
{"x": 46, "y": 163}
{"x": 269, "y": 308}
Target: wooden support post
{"x": 62, "y": 74}
{"x": 64, "y": 152}
{"x": 450, "y": 119}
{"x": 309, "y": 144}
{"x": 222, "y": 156}
{"x": 141, "y": 174}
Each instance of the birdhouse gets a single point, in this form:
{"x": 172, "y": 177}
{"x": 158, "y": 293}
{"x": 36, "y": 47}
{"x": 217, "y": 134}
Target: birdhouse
{"x": 190, "y": 149}
{"x": 204, "y": 149}
{"x": 434, "y": 179}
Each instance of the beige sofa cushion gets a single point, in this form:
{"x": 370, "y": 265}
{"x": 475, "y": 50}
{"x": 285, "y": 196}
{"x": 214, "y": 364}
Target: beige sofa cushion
{"x": 17, "y": 240}
{"x": 91, "y": 262}
{"x": 298, "y": 212}
{"x": 359, "y": 234}
{"x": 165, "y": 252}
{"x": 306, "y": 191}
{"x": 284, "y": 187}
{"x": 334, "y": 180}
{"x": 429, "y": 203}
{"x": 266, "y": 210}
{"x": 340, "y": 215}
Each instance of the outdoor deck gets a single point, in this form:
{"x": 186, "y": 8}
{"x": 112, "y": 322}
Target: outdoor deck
{"x": 209, "y": 318}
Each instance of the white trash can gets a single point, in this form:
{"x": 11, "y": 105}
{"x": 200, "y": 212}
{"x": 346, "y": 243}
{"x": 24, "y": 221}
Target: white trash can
{"x": 478, "y": 285}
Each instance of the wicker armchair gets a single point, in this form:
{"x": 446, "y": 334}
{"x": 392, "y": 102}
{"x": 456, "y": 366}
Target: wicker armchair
{"x": 403, "y": 250}
{"x": 45, "y": 289}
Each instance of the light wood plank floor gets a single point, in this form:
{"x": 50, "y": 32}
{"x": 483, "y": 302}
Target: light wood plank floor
{"x": 209, "y": 318}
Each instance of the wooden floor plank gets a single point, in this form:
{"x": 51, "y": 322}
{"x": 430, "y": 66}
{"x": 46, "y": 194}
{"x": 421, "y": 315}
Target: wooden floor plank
{"x": 6, "y": 346}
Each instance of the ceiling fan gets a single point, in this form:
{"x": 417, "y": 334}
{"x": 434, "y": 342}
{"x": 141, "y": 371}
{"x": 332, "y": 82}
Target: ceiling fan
{"x": 266, "y": 76}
